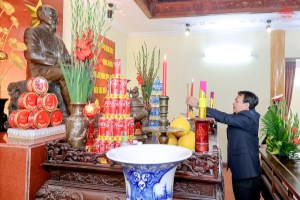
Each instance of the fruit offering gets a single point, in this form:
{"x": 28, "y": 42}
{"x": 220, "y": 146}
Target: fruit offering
{"x": 185, "y": 138}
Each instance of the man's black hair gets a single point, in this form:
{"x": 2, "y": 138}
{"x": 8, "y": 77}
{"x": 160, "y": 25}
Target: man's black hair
{"x": 249, "y": 97}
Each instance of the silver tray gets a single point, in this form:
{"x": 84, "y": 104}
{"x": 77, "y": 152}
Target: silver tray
{"x": 158, "y": 129}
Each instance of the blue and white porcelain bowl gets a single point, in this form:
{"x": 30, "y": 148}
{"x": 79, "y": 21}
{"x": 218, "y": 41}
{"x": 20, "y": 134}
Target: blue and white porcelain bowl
{"x": 149, "y": 169}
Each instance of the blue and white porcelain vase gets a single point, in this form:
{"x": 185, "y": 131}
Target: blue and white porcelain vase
{"x": 149, "y": 169}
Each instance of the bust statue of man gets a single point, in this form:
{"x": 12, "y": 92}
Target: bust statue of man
{"x": 45, "y": 49}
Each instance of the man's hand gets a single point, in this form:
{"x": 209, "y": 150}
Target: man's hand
{"x": 192, "y": 101}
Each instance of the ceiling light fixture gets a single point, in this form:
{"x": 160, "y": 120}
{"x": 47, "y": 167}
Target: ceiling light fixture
{"x": 268, "y": 27}
{"x": 228, "y": 54}
{"x": 110, "y": 10}
{"x": 187, "y": 29}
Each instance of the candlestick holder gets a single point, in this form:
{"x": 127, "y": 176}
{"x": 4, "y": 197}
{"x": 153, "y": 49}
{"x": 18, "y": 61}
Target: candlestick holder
{"x": 90, "y": 111}
{"x": 90, "y": 140}
{"x": 163, "y": 120}
{"x": 163, "y": 128}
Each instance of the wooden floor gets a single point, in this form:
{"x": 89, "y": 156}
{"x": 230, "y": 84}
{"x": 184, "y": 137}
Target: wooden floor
{"x": 228, "y": 185}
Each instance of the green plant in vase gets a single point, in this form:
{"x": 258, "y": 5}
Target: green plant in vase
{"x": 85, "y": 48}
{"x": 281, "y": 129}
{"x": 88, "y": 24}
{"x": 147, "y": 70}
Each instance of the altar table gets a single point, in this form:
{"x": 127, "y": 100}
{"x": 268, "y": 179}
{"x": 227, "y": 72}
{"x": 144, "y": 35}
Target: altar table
{"x": 77, "y": 174}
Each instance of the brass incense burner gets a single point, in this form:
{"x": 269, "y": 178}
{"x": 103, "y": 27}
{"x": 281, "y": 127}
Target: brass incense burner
{"x": 138, "y": 111}
{"x": 137, "y": 108}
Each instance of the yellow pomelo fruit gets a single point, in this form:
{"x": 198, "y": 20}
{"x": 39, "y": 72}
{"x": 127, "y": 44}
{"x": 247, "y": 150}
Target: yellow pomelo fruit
{"x": 181, "y": 122}
{"x": 172, "y": 139}
{"x": 187, "y": 141}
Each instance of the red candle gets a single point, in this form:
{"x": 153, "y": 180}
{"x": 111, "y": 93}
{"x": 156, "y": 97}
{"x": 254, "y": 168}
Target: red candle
{"x": 192, "y": 88}
{"x": 164, "y": 92}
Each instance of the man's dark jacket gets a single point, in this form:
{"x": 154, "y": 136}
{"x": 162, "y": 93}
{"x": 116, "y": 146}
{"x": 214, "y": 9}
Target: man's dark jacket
{"x": 242, "y": 136}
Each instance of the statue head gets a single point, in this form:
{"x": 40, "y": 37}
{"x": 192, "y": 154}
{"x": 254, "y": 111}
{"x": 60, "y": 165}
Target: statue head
{"x": 48, "y": 17}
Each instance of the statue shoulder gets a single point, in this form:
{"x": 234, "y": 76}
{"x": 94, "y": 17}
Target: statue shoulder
{"x": 32, "y": 32}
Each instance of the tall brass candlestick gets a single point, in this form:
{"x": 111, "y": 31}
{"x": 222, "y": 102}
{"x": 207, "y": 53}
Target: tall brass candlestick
{"x": 163, "y": 121}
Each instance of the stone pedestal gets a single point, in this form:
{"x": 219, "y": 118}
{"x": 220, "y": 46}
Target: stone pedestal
{"x": 21, "y": 173}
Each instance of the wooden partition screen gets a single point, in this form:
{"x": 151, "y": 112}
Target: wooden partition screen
{"x": 277, "y": 76}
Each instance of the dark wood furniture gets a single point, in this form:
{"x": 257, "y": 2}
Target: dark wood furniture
{"x": 77, "y": 174}
{"x": 280, "y": 175}
{"x": 188, "y": 8}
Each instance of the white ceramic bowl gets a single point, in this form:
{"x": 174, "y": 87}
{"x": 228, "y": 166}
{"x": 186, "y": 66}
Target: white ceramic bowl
{"x": 149, "y": 154}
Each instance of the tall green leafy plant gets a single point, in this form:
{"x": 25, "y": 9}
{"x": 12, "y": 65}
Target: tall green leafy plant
{"x": 88, "y": 23}
{"x": 281, "y": 128}
{"x": 147, "y": 70}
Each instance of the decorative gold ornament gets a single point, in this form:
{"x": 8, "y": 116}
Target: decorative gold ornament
{"x": 33, "y": 12}
{"x": 8, "y": 57}
{"x": 3, "y": 55}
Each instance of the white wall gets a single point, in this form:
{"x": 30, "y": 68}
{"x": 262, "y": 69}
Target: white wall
{"x": 185, "y": 61}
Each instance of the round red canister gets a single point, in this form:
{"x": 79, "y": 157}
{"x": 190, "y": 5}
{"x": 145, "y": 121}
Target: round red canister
{"x": 115, "y": 86}
{"x": 118, "y": 127}
{"x": 11, "y": 119}
{"x": 47, "y": 102}
{"x": 123, "y": 86}
{"x": 56, "y": 118}
{"x": 28, "y": 100}
{"x": 117, "y": 68}
{"x": 201, "y": 136}
{"x": 37, "y": 84}
{"x": 19, "y": 119}
{"x": 39, "y": 119}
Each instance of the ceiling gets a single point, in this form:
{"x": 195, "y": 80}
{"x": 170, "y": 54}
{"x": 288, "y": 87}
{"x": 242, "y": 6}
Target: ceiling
{"x": 150, "y": 17}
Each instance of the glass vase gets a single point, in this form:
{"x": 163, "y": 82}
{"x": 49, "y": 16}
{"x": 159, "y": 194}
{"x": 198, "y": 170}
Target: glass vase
{"x": 77, "y": 126}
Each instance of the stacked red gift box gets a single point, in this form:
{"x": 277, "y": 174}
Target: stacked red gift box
{"x": 37, "y": 108}
{"x": 116, "y": 126}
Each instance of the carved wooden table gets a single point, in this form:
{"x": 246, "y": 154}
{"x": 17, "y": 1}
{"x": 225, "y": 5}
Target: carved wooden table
{"x": 281, "y": 176}
{"x": 77, "y": 174}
